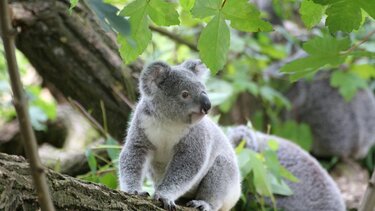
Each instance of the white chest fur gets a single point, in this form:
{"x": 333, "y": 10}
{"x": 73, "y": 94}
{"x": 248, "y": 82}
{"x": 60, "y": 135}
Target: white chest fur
{"x": 164, "y": 136}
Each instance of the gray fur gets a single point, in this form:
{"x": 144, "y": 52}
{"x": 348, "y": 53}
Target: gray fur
{"x": 315, "y": 191}
{"x": 340, "y": 128}
{"x": 171, "y": 140}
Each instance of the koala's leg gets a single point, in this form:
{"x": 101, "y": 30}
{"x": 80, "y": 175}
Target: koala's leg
{"x": 132, "y": 164}
{"x": 220, "y": 188}
{"x": 182, "y": 172}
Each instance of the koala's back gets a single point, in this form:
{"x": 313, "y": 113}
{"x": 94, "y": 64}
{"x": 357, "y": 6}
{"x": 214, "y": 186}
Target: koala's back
{"x": 315, "y": 191}
{"x": 339, "y": 128}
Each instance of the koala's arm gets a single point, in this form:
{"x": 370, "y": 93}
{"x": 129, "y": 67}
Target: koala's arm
{"x": 189, "y": 159}
{"x": 132, "y": 162}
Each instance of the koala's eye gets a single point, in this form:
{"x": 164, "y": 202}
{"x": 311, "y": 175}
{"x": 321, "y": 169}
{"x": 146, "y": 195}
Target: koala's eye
{"x": 185, "y": 94}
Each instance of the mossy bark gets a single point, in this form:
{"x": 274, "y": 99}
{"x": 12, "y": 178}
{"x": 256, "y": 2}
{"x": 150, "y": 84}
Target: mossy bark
{"x": 17, "y": 191}
{"x": 73, "y": 53}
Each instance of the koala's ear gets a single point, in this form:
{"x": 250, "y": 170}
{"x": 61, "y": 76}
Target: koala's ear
{"x": 197, "y": 67}
{"x": 152, "y": 75}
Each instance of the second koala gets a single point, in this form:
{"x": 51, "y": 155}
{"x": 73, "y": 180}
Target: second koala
{"x": 315, "y": 190}
{"x": 169, "y": 138}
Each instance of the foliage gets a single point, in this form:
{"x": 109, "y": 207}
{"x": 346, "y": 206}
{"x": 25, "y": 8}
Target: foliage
{"x": 106, "y": 173}
{"x": 263, "y": 176}
{"x": 41, "y": 106}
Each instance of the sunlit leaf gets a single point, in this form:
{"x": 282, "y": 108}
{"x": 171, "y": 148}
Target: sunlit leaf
{"x": 206, "y": 8}
{"x": 163, "y": 13}
{"x": 213, "y": 43}
{"x": 348, "y": 83}
{"x": 244, "y": 16}
{"x": 311, "y": 13}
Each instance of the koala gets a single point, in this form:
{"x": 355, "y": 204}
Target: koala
{"x": 172, "y": 141}
{"x": 339, "y": 128}
{"x": 315, "y": 190}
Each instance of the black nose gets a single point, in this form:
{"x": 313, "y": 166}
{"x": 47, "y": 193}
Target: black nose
{"x": 205, "y": 102}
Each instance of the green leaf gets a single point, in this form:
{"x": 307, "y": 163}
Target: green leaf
{"x": 311, "y": 13}
{"x": 73, "y": 3}
{"x": 113, "y": 152}
{"x": 344, "y": 15}
{"x": 91, "y": 160}
{"x": 364, "y": 71}
{"x": 262, "y": 186}
{"x": 279, "y": 186}
{"x": 135, "y": 7}
{"x": 108, "y": 17}
{"x": 326, "y": 45}
{"x": 109, "y": 180}
{"x": 368, "y": 6}
{"x": 187, "y": 4}
{"x": 244, "y": 16}
{"x": 273, "y": 145}
{"x": 322, "y": 51}
{"x": 133, "y": 46}
{"x": 213, "y": 43}
{"x": 348, "y": 83}
{"x": 206, "y": 8}
{"x": 288, "y": 175}
{"x": 163, "y": 13}
{"x": 244, "y": 159}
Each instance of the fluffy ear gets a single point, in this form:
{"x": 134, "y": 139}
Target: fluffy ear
{"x": 197, "y": 67}
{"x": 152, "y": 75}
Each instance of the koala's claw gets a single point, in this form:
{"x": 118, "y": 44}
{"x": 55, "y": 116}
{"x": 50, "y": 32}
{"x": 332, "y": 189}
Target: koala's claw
{"x": 200, "y": 205}
{"x": 141, "y": 193}
{"x": 167, "y": 204}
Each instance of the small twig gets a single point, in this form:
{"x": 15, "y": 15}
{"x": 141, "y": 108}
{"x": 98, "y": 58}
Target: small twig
{"x": 104, "y": 114}
{"x": 368, "y": 200}
{"x": 20, "y": 104}
{"x": 93, "y": 122}
{"x": 365, "y": 39}
{"x": 123, "y": 98}
{"x": 174, "y": 37}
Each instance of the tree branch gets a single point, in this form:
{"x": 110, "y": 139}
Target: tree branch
{"x": 368, "y": 200}
{"x": 68, "y": 193}
{"x": 174, "y": 37}
{"x": 20, "y": 103}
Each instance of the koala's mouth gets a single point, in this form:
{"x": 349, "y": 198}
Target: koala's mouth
{"x": 197, "y": 116}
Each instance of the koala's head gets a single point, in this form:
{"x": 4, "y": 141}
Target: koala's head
{"x": 176, "y": 93}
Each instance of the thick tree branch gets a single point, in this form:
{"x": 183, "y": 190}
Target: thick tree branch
{"x": 68, "y": 193}
{"x": 20, "y": 103}
{"x": 78, "y": 57}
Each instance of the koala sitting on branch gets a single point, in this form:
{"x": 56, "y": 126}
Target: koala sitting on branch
{"x": 170, "y": 139}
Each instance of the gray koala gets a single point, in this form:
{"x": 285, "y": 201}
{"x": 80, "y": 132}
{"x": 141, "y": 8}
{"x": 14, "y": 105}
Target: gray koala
{"x": 170, "y": 139}
{"x": 315, "y": 191}
{"x": 339, "y": 128}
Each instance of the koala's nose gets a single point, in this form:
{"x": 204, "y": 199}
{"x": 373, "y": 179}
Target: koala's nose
{"x": 205, "y": 102}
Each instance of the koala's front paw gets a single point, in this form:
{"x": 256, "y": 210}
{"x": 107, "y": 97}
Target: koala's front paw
{"x": 200, "y": 205}
{"x": 167, "y": 203}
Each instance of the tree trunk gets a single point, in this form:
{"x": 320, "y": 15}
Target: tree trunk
{"x": 17, "y": 191}
{"x": 78, "y": 57}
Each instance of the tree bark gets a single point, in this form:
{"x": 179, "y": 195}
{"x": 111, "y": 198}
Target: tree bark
{"x": 78, "y": 57}
{"x": 17, "y": 191}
